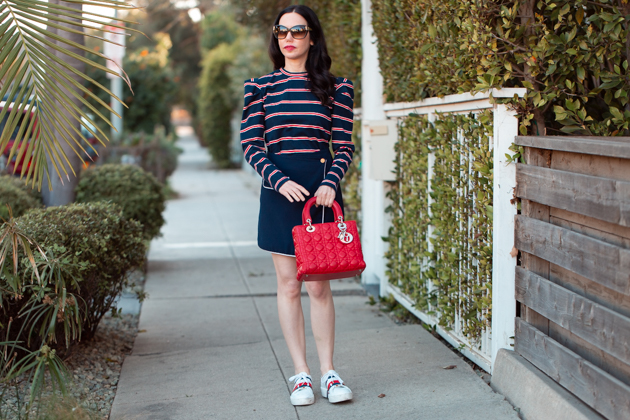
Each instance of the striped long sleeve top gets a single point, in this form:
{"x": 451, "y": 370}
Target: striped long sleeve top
{"x": 282, "y": 116}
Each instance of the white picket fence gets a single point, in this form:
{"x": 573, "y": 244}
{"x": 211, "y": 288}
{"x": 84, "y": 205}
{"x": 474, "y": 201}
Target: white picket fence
{"x": 501, "y": 332}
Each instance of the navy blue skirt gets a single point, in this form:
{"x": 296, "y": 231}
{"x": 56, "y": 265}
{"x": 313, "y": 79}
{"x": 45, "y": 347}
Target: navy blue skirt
{"x": 278, "y": 215}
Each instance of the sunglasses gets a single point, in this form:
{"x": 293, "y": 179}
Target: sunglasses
{"x": 297, "y": 32}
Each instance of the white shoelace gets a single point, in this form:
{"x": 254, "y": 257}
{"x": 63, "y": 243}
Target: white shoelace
{"x": 331, "y": 377}
{"x": 301, "y": 377}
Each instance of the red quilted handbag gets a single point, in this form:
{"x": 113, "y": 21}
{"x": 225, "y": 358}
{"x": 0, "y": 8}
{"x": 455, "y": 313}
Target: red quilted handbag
{"x": 327, "y": 251}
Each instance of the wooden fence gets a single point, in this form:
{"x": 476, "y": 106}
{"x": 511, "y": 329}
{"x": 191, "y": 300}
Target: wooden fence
{"x": 573, "y": 283}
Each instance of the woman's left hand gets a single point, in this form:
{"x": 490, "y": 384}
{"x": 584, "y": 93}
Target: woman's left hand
{"x": 325, "y": 196}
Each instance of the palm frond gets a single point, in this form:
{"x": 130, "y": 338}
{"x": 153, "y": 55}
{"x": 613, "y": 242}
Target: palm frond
{"x": 37, "y": 81}
{"x": 12, "y": 238}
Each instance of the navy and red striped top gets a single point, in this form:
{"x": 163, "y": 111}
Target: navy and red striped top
{"x": 281, "y": 113}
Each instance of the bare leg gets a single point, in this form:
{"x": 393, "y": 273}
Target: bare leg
{"x": 290, "y": 310}
{"x": 323, "y": 321}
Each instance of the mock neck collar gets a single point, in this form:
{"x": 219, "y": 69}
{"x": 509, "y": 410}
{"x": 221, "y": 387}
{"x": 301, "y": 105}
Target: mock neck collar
{"x": 289, "y": 73}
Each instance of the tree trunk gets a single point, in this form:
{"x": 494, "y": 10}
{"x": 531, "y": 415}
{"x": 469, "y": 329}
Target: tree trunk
{"x": 63, "y": 188}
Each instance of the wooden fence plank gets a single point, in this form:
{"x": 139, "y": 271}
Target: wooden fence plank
{"x": 588, "y": 351}
{"x": 603, "y": 166}
{"x": 594, "y": 323}
{"x": 591, "y": 290}
{"x": 529, "y": 208}
{"x": 605, "y": 394}
{"x": 599, "y": 261}
{"x": 594, "y": 233}
{"x": 609, "y": 147}
{"x": 602, "y": 198}
{"x": 622, "y": 232}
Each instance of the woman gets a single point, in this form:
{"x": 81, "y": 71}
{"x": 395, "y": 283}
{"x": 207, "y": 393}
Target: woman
{"x": 289, "y": 117}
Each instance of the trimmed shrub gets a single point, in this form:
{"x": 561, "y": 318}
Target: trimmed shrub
{"x": 98, "y": 245}
{"x": 160, "y": 157}
{"x": 23, "y": 185}
{"x": 156, "y": 153}
{"x": 16, "y": 196}
{"x": 140, "y": 195}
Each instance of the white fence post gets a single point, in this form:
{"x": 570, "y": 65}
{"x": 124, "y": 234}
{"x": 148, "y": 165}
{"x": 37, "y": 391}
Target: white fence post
{"x": 372, "y": 191}
{"x": 503, "y": 263}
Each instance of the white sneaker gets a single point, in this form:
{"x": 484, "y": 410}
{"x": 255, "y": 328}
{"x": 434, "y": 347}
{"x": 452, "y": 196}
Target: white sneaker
{"x": 334, "y": 389}
{"x": 302, "y": 393}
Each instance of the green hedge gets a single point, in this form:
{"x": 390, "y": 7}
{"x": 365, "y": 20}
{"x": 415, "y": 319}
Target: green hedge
{"x": 139, "y": 194}
{"x": 570, "y": 54}
{"x": 452, "y": 276}
{"x": 341, "y": 20}
{"x": 18, "y": 195}
{"x": 217, "y": 103}
{"x": 93, "y": 236}
{"x": 23, "y": 185}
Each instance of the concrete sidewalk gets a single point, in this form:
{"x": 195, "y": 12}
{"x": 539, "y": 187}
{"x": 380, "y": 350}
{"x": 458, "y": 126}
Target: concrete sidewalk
{"x": 211, "y": 345}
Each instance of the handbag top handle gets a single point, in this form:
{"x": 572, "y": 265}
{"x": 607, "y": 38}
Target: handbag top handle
{"x": 306, "y": 213}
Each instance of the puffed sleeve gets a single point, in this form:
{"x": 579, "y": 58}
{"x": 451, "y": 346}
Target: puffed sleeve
{"x": 341, "y": 136}
{"x": 252, "y": 131}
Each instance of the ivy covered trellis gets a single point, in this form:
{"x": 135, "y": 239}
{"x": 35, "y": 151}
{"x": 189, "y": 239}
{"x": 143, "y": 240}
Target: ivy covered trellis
{"x": 440, "y": 242}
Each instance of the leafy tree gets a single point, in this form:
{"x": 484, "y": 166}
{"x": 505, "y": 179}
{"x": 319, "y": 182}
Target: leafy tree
{"x": 221, "y": 83}
{"x": 154, "y": 88}
{"x": 219, "y": 27}
{"x": 153, "y": 96}
{"x": 161, "y": 17}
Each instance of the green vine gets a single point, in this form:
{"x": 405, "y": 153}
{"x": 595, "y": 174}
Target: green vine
{"x": 408, "y": 250}
{"x": 440, "y": 254}
{"x": 351, "y": 182}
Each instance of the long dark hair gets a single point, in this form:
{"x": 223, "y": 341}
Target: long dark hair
{"x": 322, "y": 81}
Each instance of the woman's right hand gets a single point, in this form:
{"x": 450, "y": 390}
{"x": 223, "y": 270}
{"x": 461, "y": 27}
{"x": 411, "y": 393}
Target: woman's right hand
{"x": 293, "y": 191}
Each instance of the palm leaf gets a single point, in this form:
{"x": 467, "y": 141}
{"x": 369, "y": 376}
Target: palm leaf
{"x": 35, "y": 81}
{"x": 11, "y": 239}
